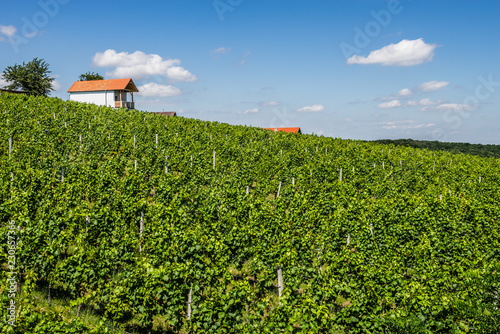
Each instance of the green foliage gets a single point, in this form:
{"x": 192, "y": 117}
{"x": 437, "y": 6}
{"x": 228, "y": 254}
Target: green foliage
{"x": 466, "y": 148}
{"x": 32, "y": 77}
{"x": 423, "y": 227}
{"x": 90, "y": 76}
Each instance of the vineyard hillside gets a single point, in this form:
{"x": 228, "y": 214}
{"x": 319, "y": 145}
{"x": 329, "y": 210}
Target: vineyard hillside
{"x": 152, "y": 224}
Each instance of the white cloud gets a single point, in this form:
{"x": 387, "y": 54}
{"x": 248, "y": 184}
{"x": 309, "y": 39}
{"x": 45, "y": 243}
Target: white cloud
{"x": 314, "y": 108}
{"x": 154, "y": 89}
{"x": 270, "y": 104}
{"x": 8, "y": 31}
{"x": 244, "y": 57}
{"x": 32, "y": 34}
{"x": 221, "y": 50}
{"x": 390, "y": 104}
{"x": 404, "y": 53}
{"x": 3, "y": 83}
{"x": 139, "y": 65}
{"x": 405, "y": 125}
{"x": 422, "y": 102}
{"x": 56, "y": 85}
{"x": 432, "y": 85}
{"x": 404, "y": 92}
{"x": 450, "y": 106}
{"x": 427, "y": 102}
{"x": 180, "y": 74}
{"x": 249, "y": 111}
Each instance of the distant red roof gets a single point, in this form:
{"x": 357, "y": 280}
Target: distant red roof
{"x": 100, "y": 85}
{"x": 166, "y": 113}
{"x": 292, "y": 130}
{"x": 13, "y": 91}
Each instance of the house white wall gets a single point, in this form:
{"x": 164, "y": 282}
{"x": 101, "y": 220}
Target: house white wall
{"x": 101, "y": 98}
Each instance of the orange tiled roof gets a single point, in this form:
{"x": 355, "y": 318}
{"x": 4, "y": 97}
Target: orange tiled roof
{"x": 293, "y": 130}
{"x": 100, "y": 85}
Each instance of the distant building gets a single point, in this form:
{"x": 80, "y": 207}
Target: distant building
{"x": 291, "y": 130}
{"x": 111, "y": 93}
{"x": 167, "y": 113}
{"x": 12, "y": 91}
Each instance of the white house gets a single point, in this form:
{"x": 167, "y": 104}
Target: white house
{"x": 116, "y": 93}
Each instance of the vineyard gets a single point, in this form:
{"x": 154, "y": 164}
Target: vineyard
{"x": 175, "y": 225}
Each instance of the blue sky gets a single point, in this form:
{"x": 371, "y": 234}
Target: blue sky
{"x": 354, "y": 69}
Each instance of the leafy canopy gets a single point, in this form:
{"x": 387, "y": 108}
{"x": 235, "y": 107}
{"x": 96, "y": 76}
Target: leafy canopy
{"x": 90, "y": 76}
{"x": 32, "y": 77}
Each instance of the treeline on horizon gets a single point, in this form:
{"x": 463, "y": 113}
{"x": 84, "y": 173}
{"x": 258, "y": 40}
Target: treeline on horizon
{"x": 466, "y": 148}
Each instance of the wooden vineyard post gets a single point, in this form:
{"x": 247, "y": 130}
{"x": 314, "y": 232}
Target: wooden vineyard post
{"x": 280, "y": 281}
{"x": 89, "y": 125}
{"x": 62, "y": 175}
{"x": 141, "y": 229}
{"x": 434, "y": 166}
{"x": 10, "y": 146}
{"x": 480, "y": 179}
{"x": 135, "y": 165}
{"x": 191, "y": 160}
{"x": 247, "y": 190}
{"x": 190, "y": 300}
{"x": 134, "y": 141}
{"x": 279, "y": 189}
{"x": 214, "y": 161}
{"x": 54, "y": 115}
{"x": 373, "y": 165}
{"x": 319, "y": 260}
{"x": 80, "y": 136}
{"x": 65, "y": 125}
{"x": 326, "y": 150}
{"x": 156, "y": 140}
{"x": 281, "y": 152}
{"x": 293, "y": 181}
{"x": 383, "y": 165}
{"x": 166, "y": 165}
{"x": 11, "y": 179}
{"x": 371, "y": 229}
{"x": 87, "y": 221}
{"x": 340, "y": 175}
{"x": 348, "y": 238}
{"x": 353, "y": 169}
{"x": 109, "y": 135}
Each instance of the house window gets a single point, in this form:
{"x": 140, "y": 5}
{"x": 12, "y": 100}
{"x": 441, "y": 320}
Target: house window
{"x": 116, "y": 98}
